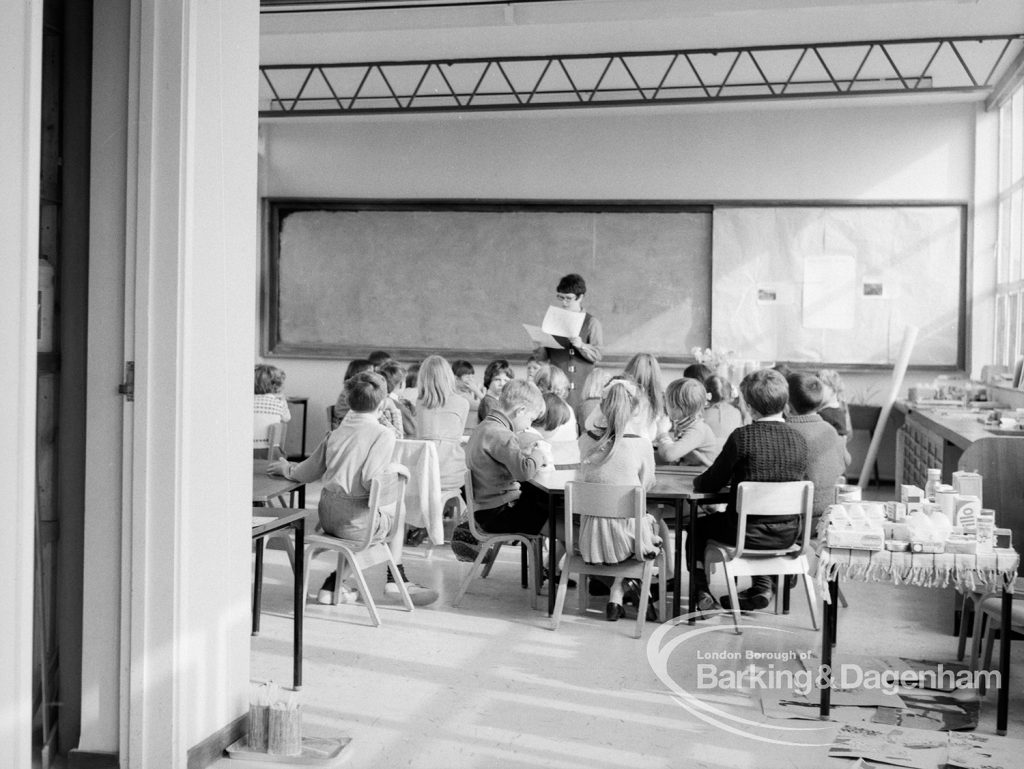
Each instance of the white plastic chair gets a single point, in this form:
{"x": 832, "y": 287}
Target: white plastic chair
{"x": 767, "y": 499}
{"x": 600, "y": 500}
{"x": 387, "y": 493}
{"x": 275, "y": 440}
{"x": 533, "y": 543}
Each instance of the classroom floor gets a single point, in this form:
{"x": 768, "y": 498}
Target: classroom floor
{"x": 489, "y": 684}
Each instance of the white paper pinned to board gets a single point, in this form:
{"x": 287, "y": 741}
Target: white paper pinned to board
{"x": 830, "y": 292}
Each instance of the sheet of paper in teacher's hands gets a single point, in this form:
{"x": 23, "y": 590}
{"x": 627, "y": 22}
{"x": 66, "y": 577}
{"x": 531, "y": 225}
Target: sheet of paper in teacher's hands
{"x": 540, "y": 338}
{"x": 559, "y": 322}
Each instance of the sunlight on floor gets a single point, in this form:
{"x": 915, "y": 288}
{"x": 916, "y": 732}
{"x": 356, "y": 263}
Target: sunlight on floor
{"x": 489, "y": 684}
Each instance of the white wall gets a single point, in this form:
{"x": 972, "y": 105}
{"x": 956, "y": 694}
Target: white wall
{"x": 873, "y": 150}
{"x": 174, "y": 190}
{"x": 20, "y": 68}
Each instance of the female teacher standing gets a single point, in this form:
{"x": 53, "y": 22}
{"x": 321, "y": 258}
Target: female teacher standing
{"x": 578, "y": 354}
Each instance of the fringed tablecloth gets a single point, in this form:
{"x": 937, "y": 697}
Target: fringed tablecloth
{"x": 965, "y": 572}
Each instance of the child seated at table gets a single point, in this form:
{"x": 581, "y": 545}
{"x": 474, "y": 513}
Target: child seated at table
{"x": 719, "y": 414}
{"x": 497, "y": 374}
{"x": 833, "y": 408}
{"x": 346, "y": 461}
{"x": 554, "y": 427}
{"x": 620, "y": 458}
{"x": 765, "y": 450}
{"x": 467, "y": 387}
{"x": 441, "y": 417}
{"x": 269, "y": 404}
{"x": 690, "y": 441}
{"x": 590, "y": 395}
{"x": 499, "y": 465}
{"x": 827, "y": 456}
{"x": 551, "y": 379}
{"x": 341, "y": 405}
{"x": 393, "y": 414}
{"x": 532, "y": 367}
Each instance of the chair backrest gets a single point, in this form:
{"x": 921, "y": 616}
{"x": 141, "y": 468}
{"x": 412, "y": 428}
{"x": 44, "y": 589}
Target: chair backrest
{"x": 602, "y": 500}
{"x": 275, "y": 440}
{"x": 471, "y": 507}
{"x": 387, "y": 495}
{"x": 789, "y": 498}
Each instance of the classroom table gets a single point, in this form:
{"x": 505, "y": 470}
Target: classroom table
{"x": 988, "y": 572}
{"x": 672, "y": 484}
{"x": 264, "y": 525}
{"x": 267, "y": 487}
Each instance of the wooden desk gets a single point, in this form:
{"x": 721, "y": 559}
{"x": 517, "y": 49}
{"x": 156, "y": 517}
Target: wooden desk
{"x": 673, "y": 485}
{"x": 267, "y": 487}
{"x": 968, "y": 572}
{"x": 262, "y": 526}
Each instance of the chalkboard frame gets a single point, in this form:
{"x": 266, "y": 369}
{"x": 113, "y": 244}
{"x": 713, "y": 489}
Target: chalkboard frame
{"x": 276, "y": 209}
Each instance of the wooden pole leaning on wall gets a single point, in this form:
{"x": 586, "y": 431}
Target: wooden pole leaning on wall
{"x": 898, "y": 372}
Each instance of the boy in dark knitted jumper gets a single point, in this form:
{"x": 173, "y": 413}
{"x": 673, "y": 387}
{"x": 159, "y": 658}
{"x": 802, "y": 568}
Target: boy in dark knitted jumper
{"x": 765, "y": 450}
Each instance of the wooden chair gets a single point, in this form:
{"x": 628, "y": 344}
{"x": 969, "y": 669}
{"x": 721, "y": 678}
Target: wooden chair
{"x": 387, "y": 494}
{"x": 766, "y": 499}
{"x": 532, "y": 544}
{"x": 600, "y": 500}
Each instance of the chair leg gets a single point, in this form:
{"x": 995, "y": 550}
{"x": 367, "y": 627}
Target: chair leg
{"x": 583, "y": 593}
{"x": 734, "y": 599}
{"x": 489, "y": 564}
{"x": 645, "y": 597}
{"x": 563, "y": 587}
{"x": 469, "y": 575}
{"x": 364, "y": 589}
{"x": 812, "y": 601}
{"x": 403, "y": 592}
{"x": 961, "y": 643}
{"x": 524, "y": 564}
{"x": 990, "y": 637}
{"x": 980, "y": 621}
{"x": 307, "y": 559}
{"x": 536, "y": 569}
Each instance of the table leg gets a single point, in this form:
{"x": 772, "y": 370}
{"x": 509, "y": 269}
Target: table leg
{"x": 691, "y": 548}
{"x": 552, "y": 549}
{"x": 299, "y": 609}
{"x": 257, "y": 587}
{"x": 828, "y": 640}
{"x": 1005, "y": 634}
{"x": 677, "y": 559}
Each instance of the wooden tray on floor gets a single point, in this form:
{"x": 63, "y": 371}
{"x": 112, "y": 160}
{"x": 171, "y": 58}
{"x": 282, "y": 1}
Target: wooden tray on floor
{"x": 315, "y": 750}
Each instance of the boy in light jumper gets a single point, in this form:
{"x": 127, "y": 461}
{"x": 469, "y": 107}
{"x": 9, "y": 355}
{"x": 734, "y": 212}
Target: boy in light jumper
{"x": 827, "y": 456}
{"x": 347, "y": 461}
{"x": 765, "y": 450}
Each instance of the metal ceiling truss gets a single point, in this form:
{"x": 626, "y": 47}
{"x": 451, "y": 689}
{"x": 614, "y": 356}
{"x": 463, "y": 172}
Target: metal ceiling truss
{"x": 930, "y": 65}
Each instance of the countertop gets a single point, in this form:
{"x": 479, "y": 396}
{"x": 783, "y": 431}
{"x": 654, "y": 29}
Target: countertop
{"x": 960, "y": 426}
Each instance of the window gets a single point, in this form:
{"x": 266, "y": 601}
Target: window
{"x": 1009, "y": 247}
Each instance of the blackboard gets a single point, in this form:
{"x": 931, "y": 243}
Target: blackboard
{"x": 838, "y": 285}
{"x": 342, "y": 278}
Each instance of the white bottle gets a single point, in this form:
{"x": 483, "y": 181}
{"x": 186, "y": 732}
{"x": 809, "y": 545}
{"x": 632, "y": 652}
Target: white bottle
{"x": 934, "y": 479}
